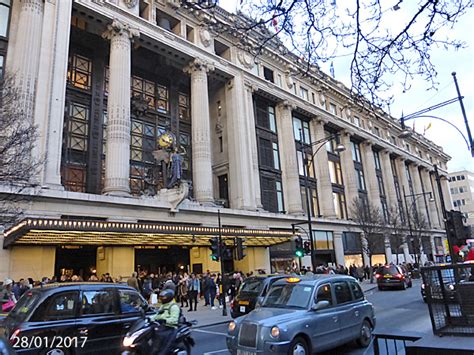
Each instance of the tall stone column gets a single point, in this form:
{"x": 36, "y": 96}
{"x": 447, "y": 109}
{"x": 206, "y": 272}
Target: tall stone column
{"x": 388, "y": 249}
{"x": 368, "y": 162}
{"x": 439, "y": 212}
{"x": 321, "y": 163}
{"x": 406, "y": 250}
{"x": 201, "y": 130}
{"x": 289, "y": 164}
{"x": 402, "y": 177}
{"x": 241, "y": 175}
{"x": 252, "y": 137}
{"x": 448, "y": 202}
{"x": 117, "y": 159}
{"x": 418, "y": 190}
{"x": 25, "y": 64}
{"x": 388, "y": 181}
{"x": 50, "y": 100}
{"x": 339, "y": 248}
{"x": 426, "y": 182}
{"x": 348, "y": 173}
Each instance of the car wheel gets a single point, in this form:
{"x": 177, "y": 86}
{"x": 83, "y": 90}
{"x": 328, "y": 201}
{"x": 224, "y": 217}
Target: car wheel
{"x": 365, "y": 336}
{"x": 298, "y": 347}
{"x": 404, "y": 286}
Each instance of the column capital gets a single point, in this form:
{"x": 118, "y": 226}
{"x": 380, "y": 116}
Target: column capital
{"x": 119, "y": 29}
{"x": 249, "y": 86}
{"x": 287, "y": 105}
{"x": 386, "y": 151}
{"x": 320, "y": 120}
{"x": 198, "y": 65}
{"x": 368, "y": 142}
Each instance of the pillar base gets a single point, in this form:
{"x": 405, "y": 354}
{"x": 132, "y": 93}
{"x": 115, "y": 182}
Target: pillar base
{"x": 118, "y": 193}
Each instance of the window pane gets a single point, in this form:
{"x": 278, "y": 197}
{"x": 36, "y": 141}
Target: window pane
{"x": 97, "y": 302}
{"x": 58, "y": 307}
{"x": 276, "y": 160}
{"x": 130, "y": 302}
{"x": 299, "y": 156}
{"x": 4, "y": 12}
{"x": 324, "y": 294}
{"x": 271, "y": 118}
{"x": 297, "y": 129}
{"x": 342, "y": 292}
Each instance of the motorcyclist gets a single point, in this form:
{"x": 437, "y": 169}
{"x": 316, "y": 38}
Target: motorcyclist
{"x": 168, "y": 317}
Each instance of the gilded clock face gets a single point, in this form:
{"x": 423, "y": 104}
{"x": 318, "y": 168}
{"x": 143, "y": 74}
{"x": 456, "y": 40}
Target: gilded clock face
{"x": 166, "y": 140}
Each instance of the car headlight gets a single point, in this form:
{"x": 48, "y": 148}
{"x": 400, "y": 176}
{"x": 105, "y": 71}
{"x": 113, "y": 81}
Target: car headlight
{"x": 422, "y": 286}
{"x": 129, "y": 340}
{"x": 275, "y": 332}
{"x": 232, "y": 326}
{"x": 451, "y": 287}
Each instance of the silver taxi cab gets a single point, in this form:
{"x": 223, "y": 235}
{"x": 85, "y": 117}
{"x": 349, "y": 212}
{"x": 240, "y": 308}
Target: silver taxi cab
{"x": 303, "y": 315}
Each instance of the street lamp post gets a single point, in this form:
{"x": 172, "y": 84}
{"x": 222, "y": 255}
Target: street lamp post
{"x": 424, "y": 194}
{"x": 306, "y": 165}
{"x": 221, "y": 254}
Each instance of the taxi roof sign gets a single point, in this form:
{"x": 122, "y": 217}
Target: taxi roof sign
{"x": 293, "y": 279}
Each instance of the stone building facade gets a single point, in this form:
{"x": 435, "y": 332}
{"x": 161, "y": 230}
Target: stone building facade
{"x": 105, "y": 81}
{"x": 461, "y": 185}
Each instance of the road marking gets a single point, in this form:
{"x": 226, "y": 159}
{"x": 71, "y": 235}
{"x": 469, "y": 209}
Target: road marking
{"x": 216, "y": 352}
{"x": 209, "y": 332}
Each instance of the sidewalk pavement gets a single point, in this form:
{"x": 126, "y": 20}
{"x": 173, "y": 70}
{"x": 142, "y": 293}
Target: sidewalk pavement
{"x": 205, "y": 316}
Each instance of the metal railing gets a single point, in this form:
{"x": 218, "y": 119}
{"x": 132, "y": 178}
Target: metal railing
{"x": 392, "y": 344}
{"x": 449, "y": 291}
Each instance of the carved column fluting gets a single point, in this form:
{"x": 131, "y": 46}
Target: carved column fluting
{"x": 242, "y": 193}
{"x": 117, "y": 159}
{"x": 389, "y": 183}
{"x": 348, "y": 173}
{"x": 426, "y": 181}
{"x": 252, "y": 137}
{"x": 321, "y": 163}
{"x": 371, "y": 182}
{"x": 289, "y": 165}
{"x": 25, "y": 65}
{"x": 418, "y": 190}
{"x": 201, "y": 131}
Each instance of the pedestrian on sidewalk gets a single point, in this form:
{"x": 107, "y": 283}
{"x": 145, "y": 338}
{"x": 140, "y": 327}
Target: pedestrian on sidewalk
{"x": 183, "y": 289}
{"x": 206, "y": 289}
{"x": 133, "y": 281}
{"x": 193, "y": 289}
{"x": 212, "y": 290}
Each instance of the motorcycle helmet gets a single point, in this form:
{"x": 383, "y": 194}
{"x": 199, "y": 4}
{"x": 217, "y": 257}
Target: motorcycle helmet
{"x": 166, "y": 296}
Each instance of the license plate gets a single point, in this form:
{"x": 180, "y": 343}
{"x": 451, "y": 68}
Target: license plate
{"x": 387, "y": 277}
{"x": 245, "y": 303}
{"x": 245, "y": 352}
{"x": 242, "y": 309}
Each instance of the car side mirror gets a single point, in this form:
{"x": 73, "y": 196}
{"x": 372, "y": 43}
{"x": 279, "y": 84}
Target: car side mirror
{"x": 320, "y": 305}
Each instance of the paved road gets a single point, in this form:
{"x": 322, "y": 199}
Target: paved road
{"x": 395, "y": 311}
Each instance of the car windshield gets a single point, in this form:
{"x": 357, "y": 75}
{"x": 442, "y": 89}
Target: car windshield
{"x": 252, "y": 286}
{"x": 24, "y": 306}
{"x": 288, "y": 296}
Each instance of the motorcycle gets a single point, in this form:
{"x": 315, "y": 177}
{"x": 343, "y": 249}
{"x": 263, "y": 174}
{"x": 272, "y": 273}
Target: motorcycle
{"x": 139, "y": 339}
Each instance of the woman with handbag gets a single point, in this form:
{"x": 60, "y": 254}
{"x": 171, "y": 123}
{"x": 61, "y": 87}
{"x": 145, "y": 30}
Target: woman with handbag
{"x": 7, "y": 298}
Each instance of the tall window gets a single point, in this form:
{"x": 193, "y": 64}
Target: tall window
{"x": 359, "y": 169}
{"x": 378, "y": 174}
{"x": 335, "y": 173}
{"x": 75, "y": 144}
{"x": 304, "y": 155}
{"x": 396, "y": 182}
{"x": 268, "y": 156}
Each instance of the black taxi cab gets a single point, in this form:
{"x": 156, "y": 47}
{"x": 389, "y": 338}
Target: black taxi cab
{"x": 77, "y": 318}
{"x": 252, "y": 291}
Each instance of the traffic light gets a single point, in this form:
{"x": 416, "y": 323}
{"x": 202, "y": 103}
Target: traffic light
{"x": 239, "y": 248}
{"x": 298, "y": 246}
{"x": 214, "y": 248}
{"x": 307, "y": 247}
{"x": 456, "y": 228}
{"x": 226, "y": 253}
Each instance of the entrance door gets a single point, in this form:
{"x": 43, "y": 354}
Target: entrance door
{"x": 162, "y": 259}
{"x": 75, "y": 260}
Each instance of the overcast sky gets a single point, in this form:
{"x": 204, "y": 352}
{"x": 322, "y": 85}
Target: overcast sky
{"x": 461, "y": 62}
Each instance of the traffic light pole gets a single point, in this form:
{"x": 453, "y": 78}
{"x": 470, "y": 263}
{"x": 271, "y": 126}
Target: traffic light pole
{"x": 221, "y": 257}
